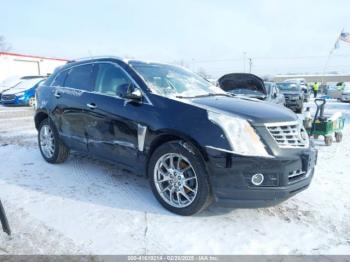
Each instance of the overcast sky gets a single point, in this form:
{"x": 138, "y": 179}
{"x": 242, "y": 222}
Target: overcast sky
{"x": 280, "y": 36}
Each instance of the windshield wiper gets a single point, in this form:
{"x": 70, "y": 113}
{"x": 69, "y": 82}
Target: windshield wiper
{"x": 208, "y": 94}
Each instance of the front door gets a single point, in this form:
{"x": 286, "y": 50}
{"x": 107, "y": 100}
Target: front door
{"x": 113, "y": 122}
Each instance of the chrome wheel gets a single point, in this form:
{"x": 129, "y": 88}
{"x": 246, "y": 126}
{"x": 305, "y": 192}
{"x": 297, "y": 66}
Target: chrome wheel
{"x": 47, "y": 141}
{"x": 175, "y": 180}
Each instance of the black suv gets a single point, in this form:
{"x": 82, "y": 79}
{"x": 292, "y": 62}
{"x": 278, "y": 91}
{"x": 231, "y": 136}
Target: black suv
{"x": 196, "y": 143}
{"x": 293, "y": 95}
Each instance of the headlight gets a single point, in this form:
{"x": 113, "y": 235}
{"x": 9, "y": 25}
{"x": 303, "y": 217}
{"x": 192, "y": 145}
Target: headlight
{"x": 240, "y": 134}
{"x": 20, "y": 94}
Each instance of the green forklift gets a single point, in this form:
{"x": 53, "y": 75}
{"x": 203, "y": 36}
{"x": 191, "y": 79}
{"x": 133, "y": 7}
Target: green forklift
{"x": 322, "y": 125}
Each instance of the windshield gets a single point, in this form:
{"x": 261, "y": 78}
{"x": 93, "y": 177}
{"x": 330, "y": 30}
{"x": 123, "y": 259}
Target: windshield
{"x": 288, "y": 87}
{"x": 172, "y": 81}
{"x": 295, "y": 81}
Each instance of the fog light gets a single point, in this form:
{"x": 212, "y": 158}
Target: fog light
{"x": 257, "y": 179}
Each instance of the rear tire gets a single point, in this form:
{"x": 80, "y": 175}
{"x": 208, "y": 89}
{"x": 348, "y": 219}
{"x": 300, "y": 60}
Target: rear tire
{"x": 338, "y": 136}
{"x": 51, "y": 147}
{"x": 178, "y": 178}
{"x": 328, "y": 140}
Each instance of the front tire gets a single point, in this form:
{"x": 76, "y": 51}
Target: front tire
{"x": 328, "y": 140}
{"x": 179, "y": 179}
{"x": 51, "y": 147}
{"x": 300, "y": 110}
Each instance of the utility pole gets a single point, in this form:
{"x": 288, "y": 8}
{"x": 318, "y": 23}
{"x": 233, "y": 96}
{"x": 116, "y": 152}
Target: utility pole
{"x": 250, "y": 64}
{"x": 244, "y": 61}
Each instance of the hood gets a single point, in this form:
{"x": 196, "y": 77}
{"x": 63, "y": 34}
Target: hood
{"x": 4, "y": 88}
{"x": 13, "y": 91}
{"x": 23, "y": 86}
{"x": 236, "y": 81}
{"x": 256, "y": 111}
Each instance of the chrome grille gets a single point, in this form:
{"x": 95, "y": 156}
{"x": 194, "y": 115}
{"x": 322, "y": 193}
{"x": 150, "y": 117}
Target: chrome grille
{"x": 290, "y": 134}
{"x": 8, "y": 97}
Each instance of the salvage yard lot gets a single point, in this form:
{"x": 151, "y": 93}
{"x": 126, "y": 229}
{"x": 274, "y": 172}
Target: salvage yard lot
{"x": 86, "y": 206}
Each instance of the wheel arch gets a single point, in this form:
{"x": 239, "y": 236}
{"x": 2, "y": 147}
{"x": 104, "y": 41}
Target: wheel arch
{"x": 187, "y": 142}
{"x": 39, "y": 117}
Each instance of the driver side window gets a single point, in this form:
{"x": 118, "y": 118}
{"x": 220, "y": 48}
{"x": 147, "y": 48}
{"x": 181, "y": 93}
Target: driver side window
{"x": 110, "y": 79}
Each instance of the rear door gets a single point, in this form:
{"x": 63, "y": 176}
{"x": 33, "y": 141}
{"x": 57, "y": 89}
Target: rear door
{"x": 71, "y": 94}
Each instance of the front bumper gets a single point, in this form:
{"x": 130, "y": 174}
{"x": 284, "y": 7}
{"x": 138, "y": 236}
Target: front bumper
{"x": 15, "y": 101}
{"x": 293, "y": 104}
{"x": 345, "y": 98}
{"x": 230, "y": 177}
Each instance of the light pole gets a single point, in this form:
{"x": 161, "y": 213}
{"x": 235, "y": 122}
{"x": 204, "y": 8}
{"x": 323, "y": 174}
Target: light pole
{"x": 250, "y": 64}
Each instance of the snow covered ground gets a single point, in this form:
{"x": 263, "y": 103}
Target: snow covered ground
{"x": 85, "y": 206}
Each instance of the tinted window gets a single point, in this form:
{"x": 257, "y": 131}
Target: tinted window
{"x": 80, "y": 77}
{"x": 110, "y": 78}
{"x": 59, "y": 80}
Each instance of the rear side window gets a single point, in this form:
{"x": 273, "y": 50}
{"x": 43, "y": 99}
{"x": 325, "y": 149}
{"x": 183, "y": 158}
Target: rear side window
{"x": 59, "y": 80}
{"x": 110, "y": 78}
{"x": 81, "y": 77}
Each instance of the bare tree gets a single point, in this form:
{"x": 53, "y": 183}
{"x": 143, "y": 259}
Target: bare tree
{"x": 203, "y": 73}
{"x": 4, "y": 46}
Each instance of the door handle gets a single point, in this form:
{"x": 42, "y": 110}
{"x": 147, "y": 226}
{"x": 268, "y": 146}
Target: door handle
{"x": 91, "y": 105}
{"x": 57, "y": 94}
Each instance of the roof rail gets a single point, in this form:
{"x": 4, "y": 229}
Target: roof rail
{"x": 94, "y": 57}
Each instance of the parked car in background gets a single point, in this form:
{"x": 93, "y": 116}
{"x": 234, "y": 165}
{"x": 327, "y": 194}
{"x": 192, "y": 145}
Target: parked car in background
{"x": 293, "y": 95}
{"x": 345, "y": 96}
{"x": 307, "y": 92}
{"x": 195, "y": 142}
{"x": 23, "y": 93}
{"x": 13, "y": 81}
{"x": 252, "y": 86}
{"x": 243, "y": 84}
{"x": 303, "y": 85}
{"x": 334, "y": 90}
{"x": 274, "y": 95}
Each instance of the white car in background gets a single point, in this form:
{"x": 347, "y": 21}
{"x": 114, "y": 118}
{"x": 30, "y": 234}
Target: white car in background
{"x": 334, "y": 90}
{"x": 345, "y": 96}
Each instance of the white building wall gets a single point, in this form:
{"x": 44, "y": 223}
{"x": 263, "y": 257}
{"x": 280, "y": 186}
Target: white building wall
{"x": 21, "y": 65}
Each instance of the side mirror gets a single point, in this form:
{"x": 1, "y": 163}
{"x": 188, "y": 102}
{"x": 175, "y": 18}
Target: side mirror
{"x": 135, "y": 95}
{"x": 129, "y": 91}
